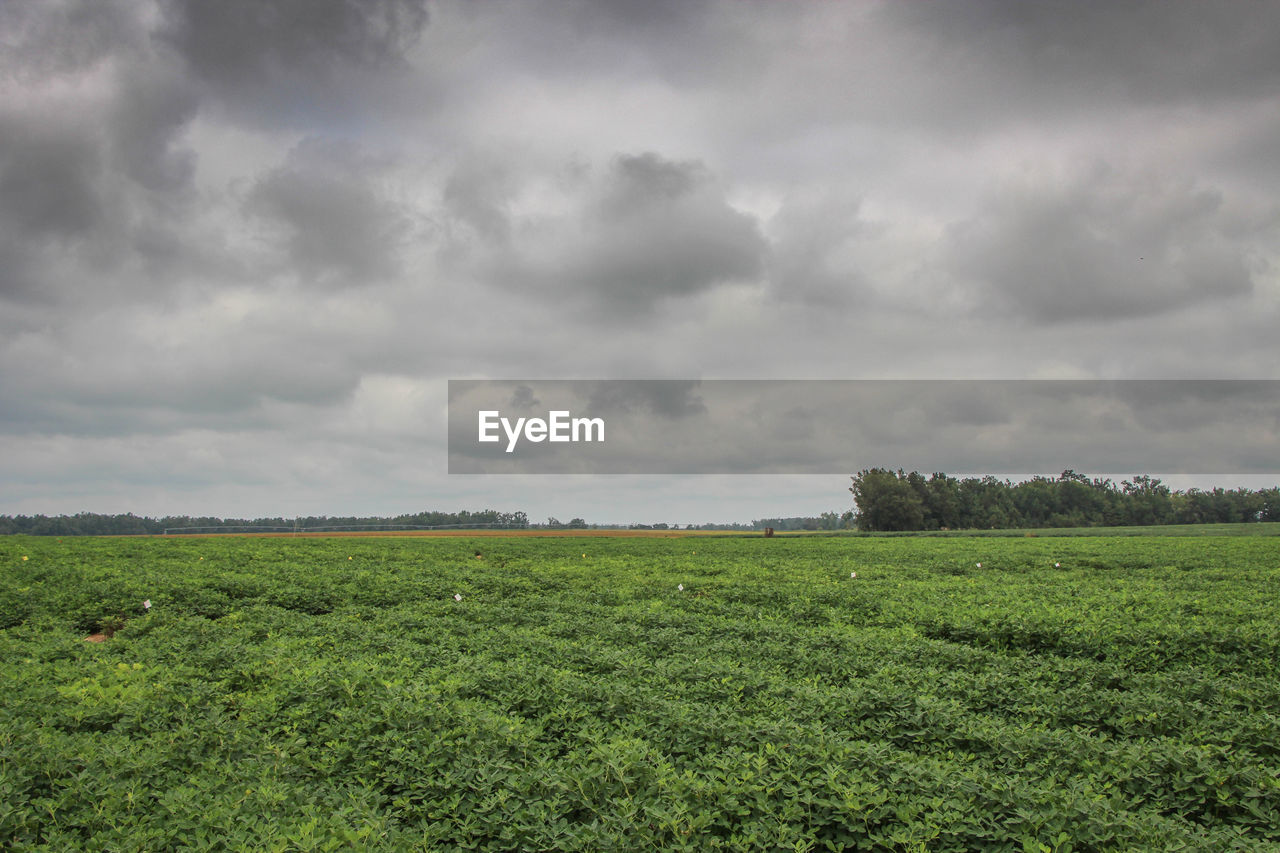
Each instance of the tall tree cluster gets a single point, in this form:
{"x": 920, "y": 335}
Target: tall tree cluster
{"x": 889, "y": 500}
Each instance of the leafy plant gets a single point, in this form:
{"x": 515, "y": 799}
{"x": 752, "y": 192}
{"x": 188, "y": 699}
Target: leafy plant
{"x": 1074, "y": 694}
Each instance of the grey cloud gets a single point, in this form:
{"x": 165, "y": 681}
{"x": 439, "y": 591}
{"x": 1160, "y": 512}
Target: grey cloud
{"x": 646, "y": 181}
{"x": 477, "y": 195}
{"x": 1248, "y": 149}
{"x": 338, "y": 229}
{"x": 90, "y": 162}
{"x": 657, "y": 14}
{"x": 65, "y": 173}
{"x": 665, "y": 399}
{"x": 1046, "y": 54}
{"x": 670, "y": 399}
{"x": 172, "y": 259}
{"x": 54, "y": 200}
{"x": 523, "y": 399}
{"x": 816, "y": 251}
{"x": 829, "y": 426}
{"x": 660, "y": 229}
{"x": 62, "y": 36}
{"x": 118, "y": 375}
{"x": 679, "y": 42}
{"x": 153, "y": 108}
{"x": 1103, "y": 245}
{"x": 646, "y": 230}
{"x": 282, "y": 59}
{"x": 50, "y": 175}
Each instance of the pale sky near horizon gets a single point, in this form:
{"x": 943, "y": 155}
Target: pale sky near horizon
{"x": 244, "y": 245}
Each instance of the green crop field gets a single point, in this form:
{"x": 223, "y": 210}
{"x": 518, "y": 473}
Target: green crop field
{"x": 702, "y": 693}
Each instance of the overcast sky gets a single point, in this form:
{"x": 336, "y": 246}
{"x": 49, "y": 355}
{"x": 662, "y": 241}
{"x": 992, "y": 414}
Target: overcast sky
{"x": 244, "y": 245}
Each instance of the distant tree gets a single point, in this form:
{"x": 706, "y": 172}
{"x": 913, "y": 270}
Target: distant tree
{"x": 943, "y": 502}
{"x": 1270, "y": 509}
{"x": 886, "y": 501}
{"x": 1149, "y": 501}
{"x": 1036, "y": 501}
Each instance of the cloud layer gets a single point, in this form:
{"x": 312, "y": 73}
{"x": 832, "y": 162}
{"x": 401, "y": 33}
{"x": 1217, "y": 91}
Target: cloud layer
{"x": 254, "y": 240}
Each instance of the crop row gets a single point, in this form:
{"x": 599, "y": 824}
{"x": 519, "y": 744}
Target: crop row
{"x": 596, "y": 694}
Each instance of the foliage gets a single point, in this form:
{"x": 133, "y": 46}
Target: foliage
{"x": 902, "y": 501}
{"x": 825, "y": 521}
{"x": 1069, "y": 694}
{"x": 128, "y": 524}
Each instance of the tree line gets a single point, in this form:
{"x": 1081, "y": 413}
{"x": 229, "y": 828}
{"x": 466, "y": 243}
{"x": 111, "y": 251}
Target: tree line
{"x": 889, "y": 500}
{"x": 98, "y": 524}
{"x": 825, "y": 521}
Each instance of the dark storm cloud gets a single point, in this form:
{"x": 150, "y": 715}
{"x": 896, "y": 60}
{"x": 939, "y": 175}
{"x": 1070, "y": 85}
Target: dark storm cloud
{"x": 153, "y": 108}
{"x": 649, "y": 229}
{"x": 1051, "y": 54}
{"x": 287, "y": 58}
{"x": 337, "y": 228}
{"x": 60, "y": 36}
{"x": 645, "y": 182}
{"x": 64, "y": 169}
{"x": 618, "y": 242}
{"x": 56, "y": 200}
{"x": 90, "y": 165}
{"x": 1103, "y": 245}
{"x": 663, "y": 229}
{"x": 673, "y": 40}
{"x": 50, "y": 173}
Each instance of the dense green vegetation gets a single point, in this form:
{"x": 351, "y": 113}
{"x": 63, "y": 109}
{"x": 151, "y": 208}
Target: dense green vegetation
{"x": 1255, "y": 529}
{"x": 888, "y": 500}
{"x": 503, "y": 693}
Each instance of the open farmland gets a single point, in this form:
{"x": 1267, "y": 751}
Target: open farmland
{"x": 631, "y": 693}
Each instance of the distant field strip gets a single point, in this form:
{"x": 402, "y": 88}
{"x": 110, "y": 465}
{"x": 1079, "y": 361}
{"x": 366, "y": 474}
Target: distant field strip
{"x": 453, "y": 532}
{"x": 330, "y": 528}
